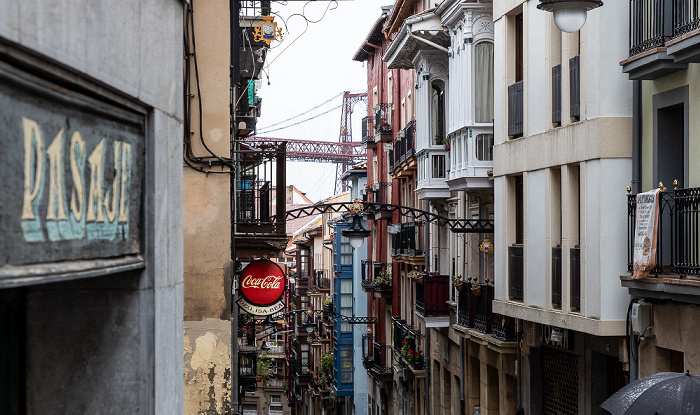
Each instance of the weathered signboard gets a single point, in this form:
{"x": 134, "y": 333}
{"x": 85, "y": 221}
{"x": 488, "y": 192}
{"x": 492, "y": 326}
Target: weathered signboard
{"x": 71, "y": 176}
{"x": 645, "y": 233}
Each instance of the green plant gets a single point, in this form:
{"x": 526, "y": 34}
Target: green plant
{"x": 326, "y": 302}
{"x": 445, "y": 140}
{"x": 456, "y": 280}
{"x": 263, "y": 367}
{"x": 414, "y": 273}
{"x": 383, "y": 278}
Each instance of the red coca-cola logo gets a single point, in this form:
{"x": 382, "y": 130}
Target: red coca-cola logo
{"x": 262, "y": 282}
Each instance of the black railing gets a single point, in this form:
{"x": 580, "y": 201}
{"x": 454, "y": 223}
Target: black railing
{"x": 370, "y": 272}
{"x": 515, "y": 272}
{"x": 408, "y": 240}
{"x": 575, "y": 87}
{"x": 381, "y": 193}
{"x": 686, "y": 15}
{"x": 678, "y": 234}
{"x": 321, "y": 279}
{"x": 650, "y": 24}
{"x": 382, "y": 122}
{"x": 483, "y": 314}
{"x": 556, "y": 94}
{"x": 515, "y": 109}
{"x": 556, "y": 275}
{"x": 367, "y": 129}
{"x": 404, "y": 145}
{"x": 432, "y": 296}
{"x": 503, "y": 328}
{"x": 465, "y": 308}
{"x": 575, "y": 277}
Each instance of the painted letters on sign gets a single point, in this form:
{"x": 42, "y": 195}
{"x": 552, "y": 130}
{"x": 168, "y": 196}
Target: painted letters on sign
{"x": 97, "y": 210}
{"x": 262, "y": 282}
{"x": 72, "y": 174}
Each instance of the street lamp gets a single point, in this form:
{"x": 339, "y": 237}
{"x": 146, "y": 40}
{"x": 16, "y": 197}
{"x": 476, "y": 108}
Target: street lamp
{"x": 569, "y": 15}
{"x": 310, "y": 326}
{"x": 356, "y": 233}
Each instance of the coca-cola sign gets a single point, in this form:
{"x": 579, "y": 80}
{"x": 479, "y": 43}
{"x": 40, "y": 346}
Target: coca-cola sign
{"x": 262, "y": 282}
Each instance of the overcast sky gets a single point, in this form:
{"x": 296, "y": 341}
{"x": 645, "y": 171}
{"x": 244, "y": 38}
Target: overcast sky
{"x": 312, "y": 64}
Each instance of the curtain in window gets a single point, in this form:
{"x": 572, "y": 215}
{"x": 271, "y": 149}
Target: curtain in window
{"x": 483, "y": 61}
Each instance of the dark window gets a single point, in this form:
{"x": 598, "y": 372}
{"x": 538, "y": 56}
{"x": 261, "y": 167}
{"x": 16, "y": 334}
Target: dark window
{"x": 519, "y": 47}
{"x": 519, "y": 201}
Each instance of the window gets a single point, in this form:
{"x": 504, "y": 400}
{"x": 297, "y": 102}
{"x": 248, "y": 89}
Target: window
{"x": 345, "y": 251}
{"x": 345, "y": 303}
{"x": 519, "y": 47}
{"x": 438, "y": 166}
{"x": 304, "y": 358}
{"x": 484, "y": 147}
{"x": 250, "y": 409}
{"x": 483, "y": 62}
{"x": 346, "y": 363}
{"x": 304, "y": 262}
{"x": 275, "y": 399}
{"x": 437, "y": 111}
{"x": 389, "y": 98}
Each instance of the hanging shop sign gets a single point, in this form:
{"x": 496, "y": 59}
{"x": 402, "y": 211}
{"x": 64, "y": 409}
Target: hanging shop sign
{"x": 267, "y": 31}
{"x": 72, "y": 172}
{"x": 645, "y": 232}
{"x": 262, "y": 283}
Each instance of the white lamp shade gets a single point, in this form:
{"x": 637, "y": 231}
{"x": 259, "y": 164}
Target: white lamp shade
{"x": 570, "y": 19}
{"x": 356, "y": 241}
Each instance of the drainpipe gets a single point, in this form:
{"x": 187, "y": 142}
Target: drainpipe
{"x": 636, "y": 136}
{"x": 427, "y": 371}
{"x": 519, "y": 369}
{"x": 462, "y": 375}
{"x": 235, "y": 41}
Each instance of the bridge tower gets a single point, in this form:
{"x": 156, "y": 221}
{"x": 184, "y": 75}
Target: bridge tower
{"x": 349, "y": 101}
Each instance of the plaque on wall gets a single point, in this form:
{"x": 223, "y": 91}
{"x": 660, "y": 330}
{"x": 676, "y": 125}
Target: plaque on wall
{"x": 72, "y": 174}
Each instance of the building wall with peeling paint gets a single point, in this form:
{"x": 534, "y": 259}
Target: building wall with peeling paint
{"x": 207, "y": 229}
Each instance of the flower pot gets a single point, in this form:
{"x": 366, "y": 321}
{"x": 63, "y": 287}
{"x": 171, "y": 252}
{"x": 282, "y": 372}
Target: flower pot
{"x": 419, "y": 280}
{"x": 459, "y": 286}
{"x": 476, "y": 290}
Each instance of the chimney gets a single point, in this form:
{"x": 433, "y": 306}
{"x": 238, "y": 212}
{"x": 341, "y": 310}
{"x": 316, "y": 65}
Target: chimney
{"x": 290, "y": 195}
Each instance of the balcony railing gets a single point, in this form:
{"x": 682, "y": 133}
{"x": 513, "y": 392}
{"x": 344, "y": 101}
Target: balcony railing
{"x": 382, "y": 122}
{"x": 409, "y": 239}
{"x": 374, "y": 275}
{"x": 515, "y": 272}
{"x": 678, "y": 234}
{"x": 575, "y": 277}
{"x": 483, "y": 314}
{"x": 556, "y": 275}
{"x": 380, "y": 192}
{"x": 432, "y": 296}
{"x": 465, "y": 308}
{"x": 686, "y": 15}
{"x": 321, "y": 280}
{"x": 650, "y": 24}
{"x": 515, "y": 109}
{"x": 368, "y": 132}
{"x": 404, "y": 146}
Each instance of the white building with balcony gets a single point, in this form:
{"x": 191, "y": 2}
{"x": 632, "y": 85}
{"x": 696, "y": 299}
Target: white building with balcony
{"x": 562, "y": 162}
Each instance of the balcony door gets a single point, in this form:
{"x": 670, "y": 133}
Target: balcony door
{"x": 671, "y": 161}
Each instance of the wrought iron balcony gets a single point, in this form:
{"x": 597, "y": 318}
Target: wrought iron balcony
{"x": 678, "y": 235}
{"x": 408, "y": 241}
{"x": 474, "y": 311}
{"x": 377, "y": 278}
{"x": 404, "y": 146}
{"x": 515, "y": 272}
{"x": 382, "y": 120}
{"x": 380, "y": 192}
{"x": 368, "y": 133}
{"x": 374, "y": 358}
{"x": 432, "y": 295}
{"x": 404, "y": 340}
{"x": 321, "y": 280}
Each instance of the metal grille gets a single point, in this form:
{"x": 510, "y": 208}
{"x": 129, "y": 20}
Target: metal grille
{"x": 575, "y": 87}
{"x": 560, "y": 383}
{"x": 556, "y": 94}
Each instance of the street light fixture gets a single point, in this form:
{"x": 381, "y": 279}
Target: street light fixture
{"x": 569, "y": 15}
{"x": 356, "y": 233}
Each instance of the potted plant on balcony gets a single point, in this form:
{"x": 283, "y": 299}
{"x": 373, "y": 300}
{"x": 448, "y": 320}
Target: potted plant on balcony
{"x": 419, "y": 360}
{"x": 414, "y": 273}
{"x": 446, "y": 143}
{"x": 457, "y": 281}
{"x": 476, "y": 288}
{"x": 383, "y": 280}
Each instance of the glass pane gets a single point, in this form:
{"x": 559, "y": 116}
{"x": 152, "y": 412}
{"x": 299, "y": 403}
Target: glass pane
{"x": 484, "y": 147}
{"x": 346, "y": 286}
